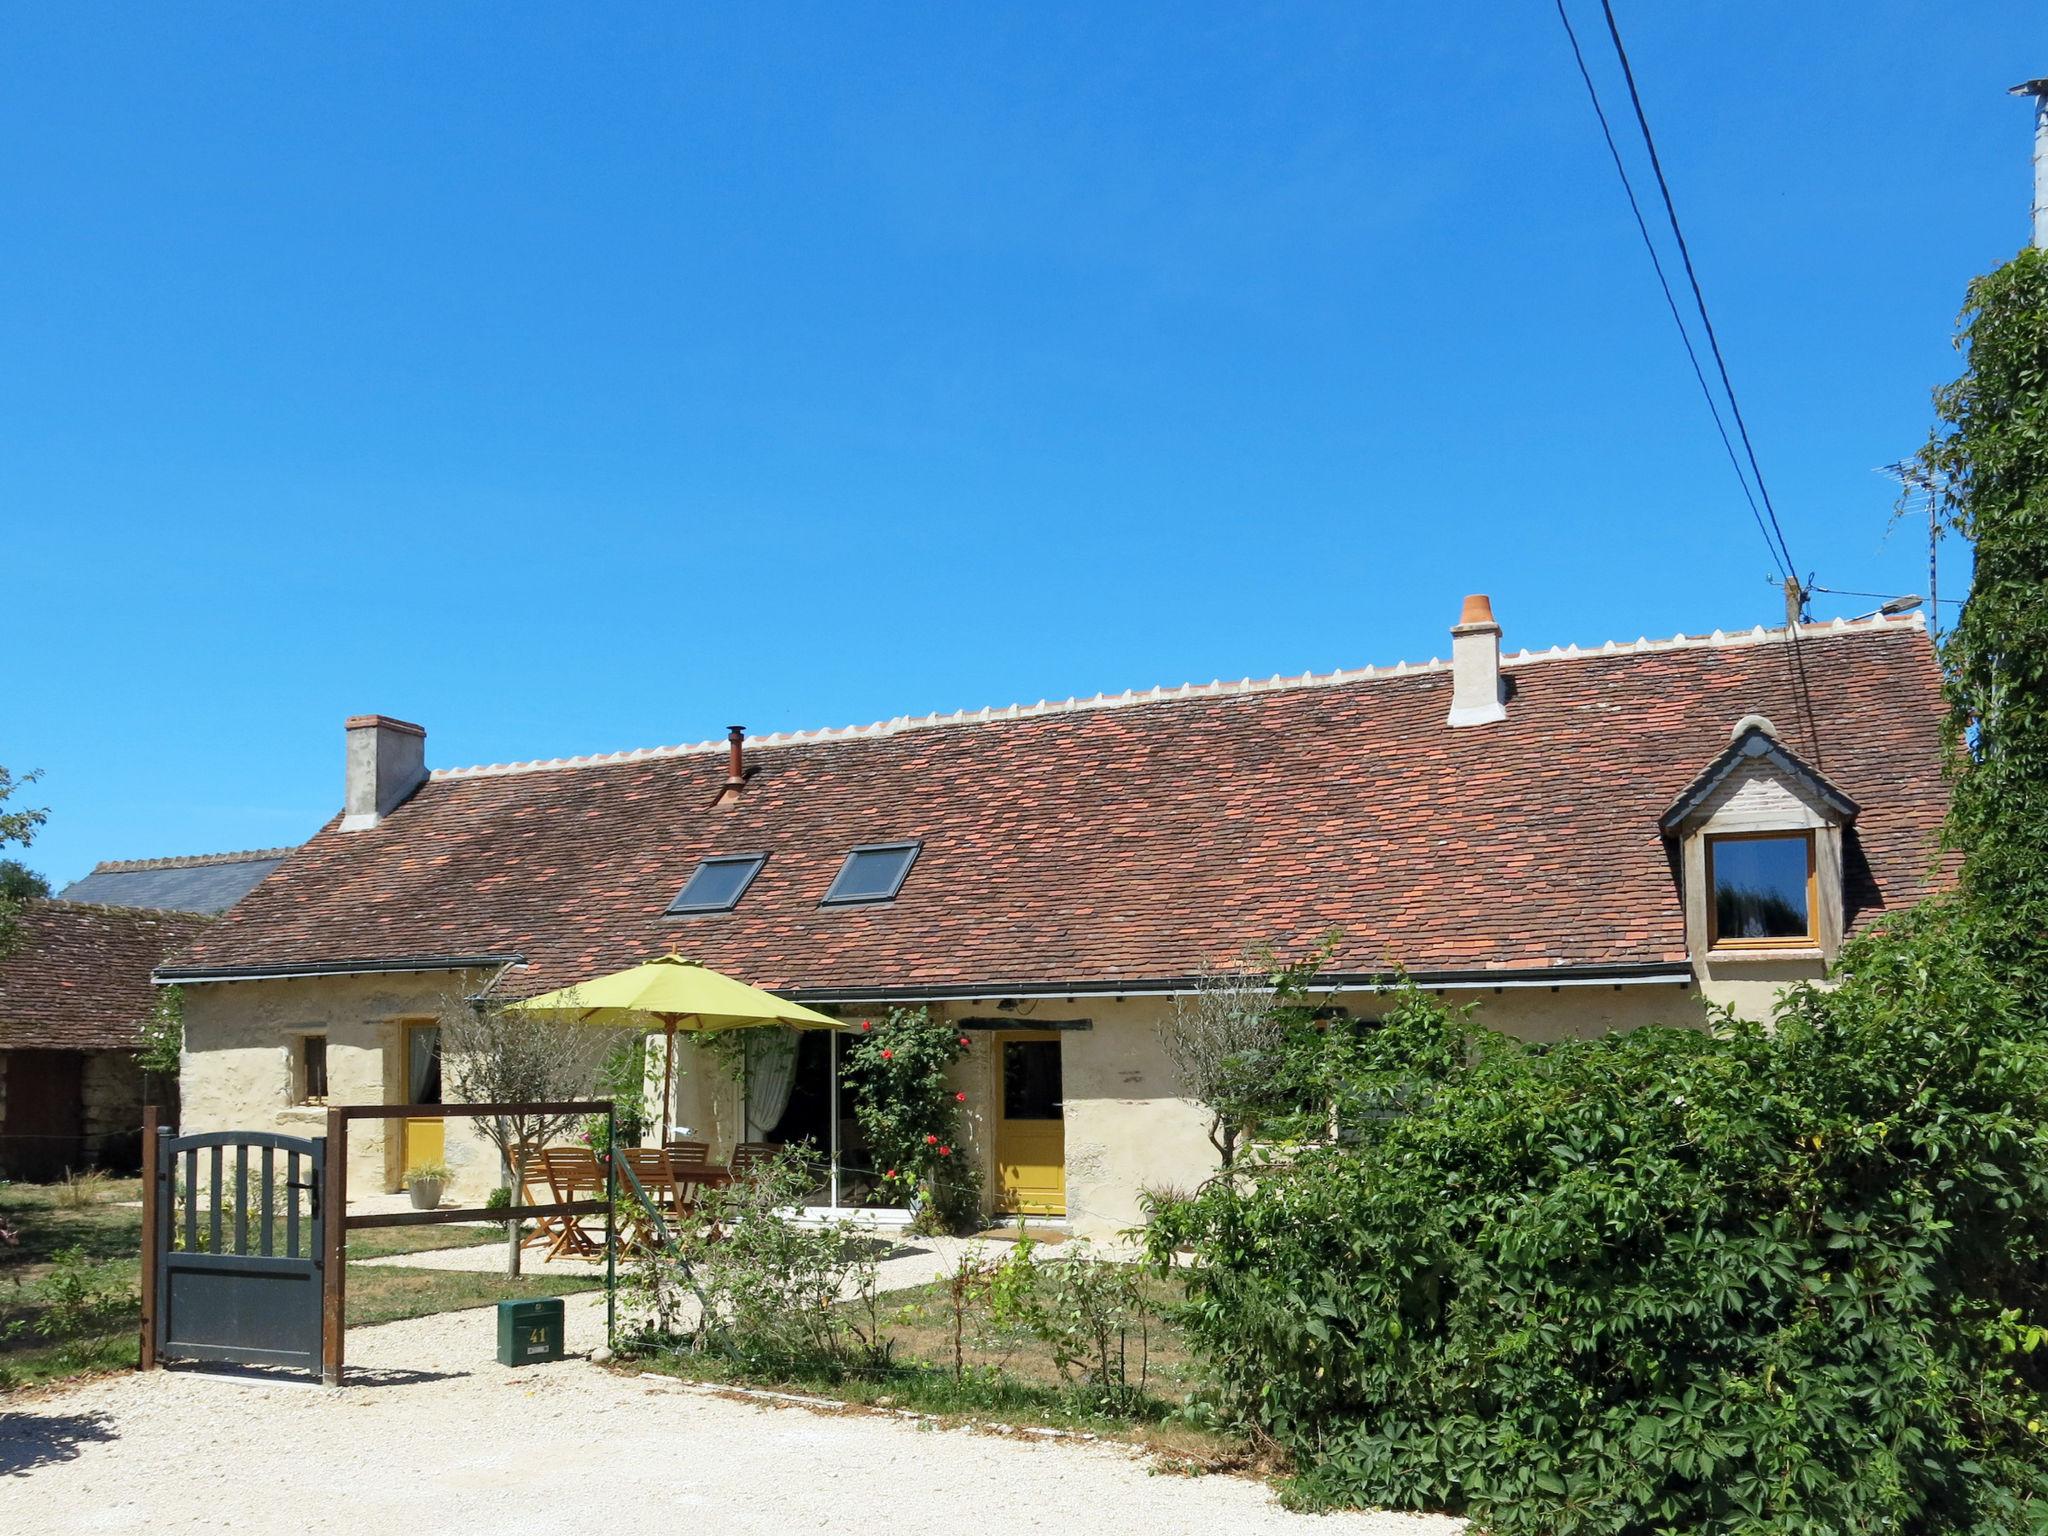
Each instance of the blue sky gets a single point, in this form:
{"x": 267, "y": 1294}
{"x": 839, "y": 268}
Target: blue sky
{"x": 571, "y": 379}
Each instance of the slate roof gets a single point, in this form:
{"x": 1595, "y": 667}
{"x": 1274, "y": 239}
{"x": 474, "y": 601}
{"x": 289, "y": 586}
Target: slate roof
{"x": 1125, "y": 839}
{"x": 76, "y": 977}
{"x": 206, "y": 882}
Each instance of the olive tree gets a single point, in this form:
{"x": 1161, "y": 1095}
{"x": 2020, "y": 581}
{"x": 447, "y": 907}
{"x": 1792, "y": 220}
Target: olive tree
{"x": 1216, "y": 1039}
{"x": 492, "y": 1053}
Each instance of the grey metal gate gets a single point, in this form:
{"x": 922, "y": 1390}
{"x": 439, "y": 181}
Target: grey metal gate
{"x": 239, "y": 1254}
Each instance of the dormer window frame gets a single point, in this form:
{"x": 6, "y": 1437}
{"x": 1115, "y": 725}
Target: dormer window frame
{"x": 1757, "y": 788}
{"x": 1710, "y": 891}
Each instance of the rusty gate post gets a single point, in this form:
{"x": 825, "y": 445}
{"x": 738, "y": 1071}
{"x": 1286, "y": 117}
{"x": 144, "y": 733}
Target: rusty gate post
{"x": 334, "y": 1242}
{"x": 151, "y": 1236}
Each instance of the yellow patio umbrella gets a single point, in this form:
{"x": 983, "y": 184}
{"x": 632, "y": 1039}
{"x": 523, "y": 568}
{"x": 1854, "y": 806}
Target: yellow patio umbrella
{"x": 683, "y": 995}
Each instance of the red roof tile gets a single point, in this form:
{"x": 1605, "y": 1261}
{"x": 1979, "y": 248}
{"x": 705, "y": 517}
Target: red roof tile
{"x": 77, "y": 976}
{"x": 1139, "y": 839}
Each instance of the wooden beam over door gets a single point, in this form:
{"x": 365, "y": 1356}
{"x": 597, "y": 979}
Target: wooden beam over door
{"x": 1007, "y": 1022}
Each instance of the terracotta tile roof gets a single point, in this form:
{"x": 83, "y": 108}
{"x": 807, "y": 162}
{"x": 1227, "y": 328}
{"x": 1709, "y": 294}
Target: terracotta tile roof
{"x": 77, "y": 976}
{"x": 1138, "y": 837}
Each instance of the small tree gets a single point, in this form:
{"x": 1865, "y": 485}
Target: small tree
{"x": 1225, "y": 1038}
{"x": 18, "y": 826}
{"x": 1215, "y": 1038}
{"x": 495, "y": 1054}
{"x": 19, "y": 883}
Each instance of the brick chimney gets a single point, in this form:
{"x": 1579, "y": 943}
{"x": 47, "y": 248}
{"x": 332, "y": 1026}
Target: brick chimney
{"x": 1478, "y": 696}
{"x": 385, "y": 762}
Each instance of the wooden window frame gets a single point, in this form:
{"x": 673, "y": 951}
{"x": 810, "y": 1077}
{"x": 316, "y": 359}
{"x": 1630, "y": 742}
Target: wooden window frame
{"x": 302, "y": 1078}
{"x": 1808, "y": 940}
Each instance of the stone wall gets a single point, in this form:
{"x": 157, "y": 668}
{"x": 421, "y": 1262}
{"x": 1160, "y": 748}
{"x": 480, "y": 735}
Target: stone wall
{"x": 111, "y": 1089}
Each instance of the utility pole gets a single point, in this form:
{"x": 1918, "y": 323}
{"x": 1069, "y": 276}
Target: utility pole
{"x": 2038, "y": 89}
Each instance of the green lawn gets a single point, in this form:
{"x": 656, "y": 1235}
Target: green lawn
{"x": 103, "y": 1219}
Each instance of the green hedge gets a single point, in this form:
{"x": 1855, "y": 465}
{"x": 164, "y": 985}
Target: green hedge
{"x": 1672, "y": 1280}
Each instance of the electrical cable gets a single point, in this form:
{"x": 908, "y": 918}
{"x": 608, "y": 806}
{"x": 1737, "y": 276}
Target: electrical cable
{"x": 1670, "y": 299}
{"x": 1699, "y": 298}
{"x": 1774, "y": 534}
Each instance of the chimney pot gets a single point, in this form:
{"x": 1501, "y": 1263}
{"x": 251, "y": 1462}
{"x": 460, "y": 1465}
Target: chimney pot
{"x": 385, "y": 760}
{"x": 1478, "y": 696}
{"x": 735, "y": 758}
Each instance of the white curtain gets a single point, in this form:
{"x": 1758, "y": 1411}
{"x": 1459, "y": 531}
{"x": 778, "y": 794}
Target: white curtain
{"x": 771, "y": 1073}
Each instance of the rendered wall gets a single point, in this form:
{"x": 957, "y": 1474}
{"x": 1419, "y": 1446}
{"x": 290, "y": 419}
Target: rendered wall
{"x": 237, "y": 1070}
{"x": 1127, "y": 1130}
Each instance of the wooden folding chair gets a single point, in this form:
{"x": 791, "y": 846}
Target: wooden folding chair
{"x": 650, "y": 1166}
{"x": 689, "y": 1154}
{"x": 572, "y": 1174}
{"x": 749, "y": 1155}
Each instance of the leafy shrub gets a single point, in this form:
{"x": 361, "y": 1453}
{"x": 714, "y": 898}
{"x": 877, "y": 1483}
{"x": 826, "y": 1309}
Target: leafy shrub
{"x": 774, "y": 1295}
{"x": 1750, "y": 1280}
{"x": 1090, "y": 1312}
{"x": 622, "y": 1078}
{"x": 75, "y": 1303}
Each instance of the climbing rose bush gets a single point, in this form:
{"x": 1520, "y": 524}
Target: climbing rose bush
{"x": 913, "y": 1114}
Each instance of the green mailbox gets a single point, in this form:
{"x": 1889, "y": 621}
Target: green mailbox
{"x": 529, "y": 1331}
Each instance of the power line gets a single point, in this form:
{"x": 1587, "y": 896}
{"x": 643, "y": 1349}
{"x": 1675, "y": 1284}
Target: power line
{"x": 1699, "y": 298}
{"x": 1774, "y": 534}
{"x": 1953, "y": 602}
{"x": 1670, "y": 299}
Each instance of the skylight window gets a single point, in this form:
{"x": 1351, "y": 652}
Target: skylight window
{"x": 718, "y": 884}
{"x": 872, "y": 872}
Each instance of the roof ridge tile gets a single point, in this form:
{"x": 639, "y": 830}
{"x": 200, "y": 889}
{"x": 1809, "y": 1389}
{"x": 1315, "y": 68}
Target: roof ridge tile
{"x": 1164, "y": 693}
{"x": 188, "y": 860}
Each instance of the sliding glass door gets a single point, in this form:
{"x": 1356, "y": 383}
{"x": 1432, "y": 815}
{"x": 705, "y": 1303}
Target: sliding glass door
{"x": 799, "y": 1093}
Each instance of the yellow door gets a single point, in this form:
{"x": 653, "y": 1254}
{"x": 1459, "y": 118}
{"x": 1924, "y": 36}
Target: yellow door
{"x": 1031, "y": 1130}
{"x": 425, "y": 1140}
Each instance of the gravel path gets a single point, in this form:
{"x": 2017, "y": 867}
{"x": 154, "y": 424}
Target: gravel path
{"x": 434, "y": 1436}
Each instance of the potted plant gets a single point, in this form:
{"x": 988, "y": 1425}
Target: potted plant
{"x": 423, "y": 1182}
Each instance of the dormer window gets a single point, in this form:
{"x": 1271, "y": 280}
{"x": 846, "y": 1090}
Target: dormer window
{"x": 873, "y": 872}
{"x": 718, "y": 884}
{"x": 1760, "y": 837}
{"x": 1761, "y": 890}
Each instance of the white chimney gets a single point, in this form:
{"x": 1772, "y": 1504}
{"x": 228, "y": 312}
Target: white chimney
{"x": 1478, "y": 696}
{"x": 385, "y": 762}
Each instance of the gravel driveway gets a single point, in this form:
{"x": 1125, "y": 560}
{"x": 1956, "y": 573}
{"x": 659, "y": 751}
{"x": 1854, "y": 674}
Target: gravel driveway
{"x": 436, "y": 1437}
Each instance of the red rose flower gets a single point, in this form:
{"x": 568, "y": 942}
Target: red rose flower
{"x": 931, "y": 1141}
{"x": 965, "y": 1041}
{"x": 888, "y": 1055}
{"x": 959, "y": 1098}
{"x": 866, "y": 1025}
{"x": 945, "y": 1151}
{"x": 890, "y": 1174}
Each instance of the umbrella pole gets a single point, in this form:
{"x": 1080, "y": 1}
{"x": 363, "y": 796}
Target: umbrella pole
{"x": 668, "y": 1072}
